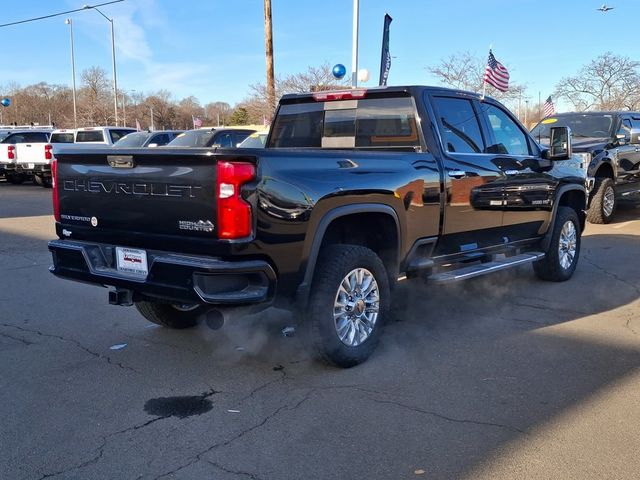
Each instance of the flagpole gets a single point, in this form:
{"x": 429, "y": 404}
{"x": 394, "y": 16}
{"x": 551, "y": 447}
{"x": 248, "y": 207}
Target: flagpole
{"x": 484, "y": 83}
{"x": 539, "y": 106}
{"x": 354, "y": 45}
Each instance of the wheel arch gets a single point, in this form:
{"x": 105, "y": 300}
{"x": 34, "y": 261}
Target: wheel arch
{"x": 605, "y": 170}
{"x": 345, "y": 219}
{"x": 574, "y": 196}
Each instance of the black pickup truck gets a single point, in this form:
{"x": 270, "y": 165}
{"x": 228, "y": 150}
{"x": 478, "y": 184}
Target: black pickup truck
{"x": 355, "y": 191}
{"x": 608, "y": 143}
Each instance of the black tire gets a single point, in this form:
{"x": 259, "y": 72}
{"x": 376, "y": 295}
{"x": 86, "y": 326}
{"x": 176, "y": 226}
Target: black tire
{"x": 599, "y": 212}
{"x": 550, "y": 268}
{"x": 42, "y": 181}
{"x": 15, "y": 178}
{"x": 169, "y": 315}
{"x": 335, "y": 263}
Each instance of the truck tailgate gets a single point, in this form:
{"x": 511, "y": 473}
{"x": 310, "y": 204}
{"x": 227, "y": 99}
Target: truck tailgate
{"x": 139, "y": 191}
{"x": 31, "y": 153}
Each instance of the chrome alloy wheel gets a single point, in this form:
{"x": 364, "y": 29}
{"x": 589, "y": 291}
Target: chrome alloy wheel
{"x": 567, "y": 244}
{"x": 608, "y": 201}
{"x": 356, "y": 307}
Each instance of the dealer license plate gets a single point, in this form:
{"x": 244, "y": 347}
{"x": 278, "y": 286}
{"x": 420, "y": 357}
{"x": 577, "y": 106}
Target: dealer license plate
{"x": 132, "y": 261}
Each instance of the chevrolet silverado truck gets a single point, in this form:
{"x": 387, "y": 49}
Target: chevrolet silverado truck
{"x": 608, "y": 144}
{"x": 355, "y": 191}
{"x": 23, "y": 153}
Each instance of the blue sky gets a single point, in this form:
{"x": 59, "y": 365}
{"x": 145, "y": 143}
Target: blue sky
{"x": 214, "y": 49}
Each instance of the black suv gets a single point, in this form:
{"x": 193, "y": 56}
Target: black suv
{"x": 609, "y": 144}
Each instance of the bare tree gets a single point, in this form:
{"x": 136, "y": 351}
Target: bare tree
{"x": 218, "y": 113}
{"x": 164, "y": 110}
{"x": 186, "y": 109}
{"x": 465, "y": 72}
{"x": 94, "y": 96}
{"x": 608, "y": 82}
{"x": 315, "y": 78}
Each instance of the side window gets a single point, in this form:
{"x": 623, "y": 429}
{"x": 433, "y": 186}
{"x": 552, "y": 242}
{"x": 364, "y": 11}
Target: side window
{"x": 224, "y": 140}
{"x": 161, "y": 139}
{"x": 118, "y": 134}
{"x": 509, "y": 138}
{"x": 239, "y": 137}
{"x": 459, "y": 127}
{"x": 625, "y": 128}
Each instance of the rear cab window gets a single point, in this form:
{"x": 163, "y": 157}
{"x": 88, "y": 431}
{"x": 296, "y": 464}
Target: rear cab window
{"x": 27, "y": 137}
{"x": 61, "y": 137}
{"x": 89, "y": 136}
{"x": 366, "y": 123}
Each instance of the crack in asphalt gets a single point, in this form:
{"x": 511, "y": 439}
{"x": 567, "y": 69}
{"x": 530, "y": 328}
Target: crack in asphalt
{"x": 611, "y": 274}
{"x": 17, "y": 339}
{"x": 549, "y": 309}
{"x": 198, "y": 457}
{"x": 450, "y": 419}
{"x": 616, "y": 277}
{"x": 253, "y": 476}
{"x": 74, "y": 342}
{"x": 105, "y": 439}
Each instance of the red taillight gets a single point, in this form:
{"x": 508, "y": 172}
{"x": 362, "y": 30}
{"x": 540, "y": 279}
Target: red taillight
{"x": 341, "y": 95}
{"x": 11, "y": 152}
{"x": 54, "y": 187}
{"x": 47, "y": 152}
{"x": 234, "y": 214}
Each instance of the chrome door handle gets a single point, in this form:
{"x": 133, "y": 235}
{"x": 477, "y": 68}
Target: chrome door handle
{"x": 511, "y": 172}
{"x": 457, "y": 173}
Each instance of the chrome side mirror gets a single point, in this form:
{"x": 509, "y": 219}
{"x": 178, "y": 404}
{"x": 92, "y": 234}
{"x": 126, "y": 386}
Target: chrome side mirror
{"x": 634, "y": 136}
{"x": 560, "y": 143}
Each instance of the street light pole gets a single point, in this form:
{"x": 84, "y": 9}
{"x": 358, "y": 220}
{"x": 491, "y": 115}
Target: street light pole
{"x": 113, "y": 58}
{"x": 124, "y": 111}
{"x": 73, "y": 73}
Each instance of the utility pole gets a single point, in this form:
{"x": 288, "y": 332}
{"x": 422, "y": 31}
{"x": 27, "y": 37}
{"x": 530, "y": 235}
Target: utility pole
{"x": 268, "y": 40}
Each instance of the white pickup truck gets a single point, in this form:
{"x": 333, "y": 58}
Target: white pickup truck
{"x": 26, "y": 153}
{"x": 101, "y": 135}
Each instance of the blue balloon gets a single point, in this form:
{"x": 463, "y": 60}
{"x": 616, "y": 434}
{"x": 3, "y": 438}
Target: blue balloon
{"x": 339, "y": 71}
{"x": 5, "y": 102}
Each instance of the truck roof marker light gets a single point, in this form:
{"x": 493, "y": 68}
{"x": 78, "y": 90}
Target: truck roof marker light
{"x": 329, "y": 96}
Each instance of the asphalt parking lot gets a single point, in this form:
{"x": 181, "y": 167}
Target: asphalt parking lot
{"x": 503, "y": 377}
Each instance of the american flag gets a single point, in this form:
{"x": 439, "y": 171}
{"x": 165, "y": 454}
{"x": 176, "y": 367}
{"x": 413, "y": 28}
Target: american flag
{"x": 548, "y": 107}
{"x": 197, "y": 122}
{"x": 495, "y": 74}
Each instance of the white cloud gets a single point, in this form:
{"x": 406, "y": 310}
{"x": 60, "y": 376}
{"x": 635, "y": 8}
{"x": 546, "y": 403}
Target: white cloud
{"x": 134, "y": 22}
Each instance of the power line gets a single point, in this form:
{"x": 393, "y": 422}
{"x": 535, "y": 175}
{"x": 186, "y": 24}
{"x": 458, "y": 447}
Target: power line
{"x": 61, "y": 13}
